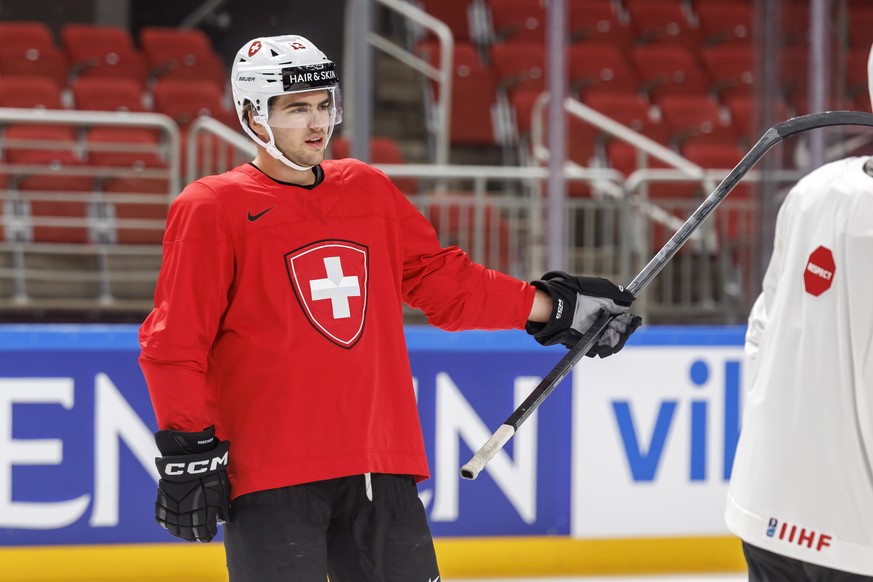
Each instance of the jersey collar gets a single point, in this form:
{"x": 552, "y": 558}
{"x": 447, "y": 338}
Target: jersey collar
{"x": 317, "y": 170}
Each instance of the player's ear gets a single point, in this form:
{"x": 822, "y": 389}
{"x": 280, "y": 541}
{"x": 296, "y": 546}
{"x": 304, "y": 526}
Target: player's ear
{"x": 256, "y": 127}
{"x": 249, "y": 118}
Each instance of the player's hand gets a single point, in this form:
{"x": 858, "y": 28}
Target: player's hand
{"x": 193, "y": 491}
{"x": 576, "y": 303}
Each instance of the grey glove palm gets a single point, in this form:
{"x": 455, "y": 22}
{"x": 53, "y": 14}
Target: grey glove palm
{"x": 576, "y": 304}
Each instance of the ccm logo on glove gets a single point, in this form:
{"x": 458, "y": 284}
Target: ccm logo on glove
{"x": 195, "y": 467}
{"x": 193, "y": 491}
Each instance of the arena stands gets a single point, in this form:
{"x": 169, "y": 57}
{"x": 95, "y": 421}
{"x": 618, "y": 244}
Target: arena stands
{"x": 85, "y": 196}
{"x": 93, "y": 185}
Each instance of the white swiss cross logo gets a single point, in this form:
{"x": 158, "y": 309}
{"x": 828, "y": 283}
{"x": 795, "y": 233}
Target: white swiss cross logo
{"x": 336, "y": 287}
{"x": 329, "y": 279}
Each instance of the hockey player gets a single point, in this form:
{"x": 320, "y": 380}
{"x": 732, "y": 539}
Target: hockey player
{"x": 275, "y": 354}
{"x": 801, "y": 492}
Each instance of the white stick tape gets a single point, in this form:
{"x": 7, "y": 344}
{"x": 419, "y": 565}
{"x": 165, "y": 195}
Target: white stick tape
{"x": 500, "y": 437}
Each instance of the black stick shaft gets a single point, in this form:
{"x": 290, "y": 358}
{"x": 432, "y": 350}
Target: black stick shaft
{"x": 771, "y": 137}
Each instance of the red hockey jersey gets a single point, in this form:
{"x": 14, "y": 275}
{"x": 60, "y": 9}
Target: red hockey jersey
{"x": 278, "y": 318}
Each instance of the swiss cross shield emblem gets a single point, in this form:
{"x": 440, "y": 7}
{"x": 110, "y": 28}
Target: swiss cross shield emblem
{"x": 330, "y": 280}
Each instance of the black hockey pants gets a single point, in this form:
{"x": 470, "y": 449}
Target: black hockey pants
{"x": 306, "y": 532}
{"x": 766, "y": 566}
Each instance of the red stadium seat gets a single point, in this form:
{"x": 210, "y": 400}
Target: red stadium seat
{"x": 725, "y": 21}
{"x": 581, "y": 148}
{"x": 94, "y": 62}
{"x": 696, "y": 116}
{"x": 730, "y": 68}
{"x": 743, "y": 109}
{"x": 795, "y": 23}
{"x": 214, "y": 155}
{"x": 29, "y": 92}
{"x": 383, "y": 150}
{"x": 635, "y": 113}
{"x": 794, "y": 76}
{"x": 518, "y": 20}
{"x": 34, "y": 62}
{"x": 522, "y": 103}
{"x": 860, "y": 25}
{"x": 734, "y": 220}
{"x": 856, "y": 76}
{"x": 663, "y": 21}
{"x": 581, "y": 137}
{"x": 713, "y": 156}
{"x": 93, "y": 36}
{"x": 519, "y": 66}
{"x": 628, "y": 109}
{"x": 581, "y": 141}
{"x": 181, "y": 54}
{"x": 624, "y": 158}
{"x": 455, "y": 13}
{"x": 184, "y": 101}
{"x": 156, "y": 38}
{"x": 473, "y": 95}
{"x": 35, "y": 144}
{"x": 25, "y": 34}
{"x": 588, "y": 20}
{"x": 455, "y": 225}
{"x": 201, "y": 67}
{"x": 667, "y": 69}
{"x": 124, "y": 209}
{"x": 40, "y": 144}
{"x": 43, "y": 195}
{"x": 108, "y": 95}
{"x": 597, "y": 21}
{"x": 135, "y": 147}
{"x": 600, "y": 67}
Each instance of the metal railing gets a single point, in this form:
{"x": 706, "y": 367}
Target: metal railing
{"x": 441, "y": 75}
{"x": 496, "y": 213}
{"x": 54, "y": 193}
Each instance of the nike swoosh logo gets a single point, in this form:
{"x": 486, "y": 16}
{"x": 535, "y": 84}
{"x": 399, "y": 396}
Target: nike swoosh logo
{"x": 254, "y": 217}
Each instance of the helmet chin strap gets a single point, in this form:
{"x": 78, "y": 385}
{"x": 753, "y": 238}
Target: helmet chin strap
{"x": 271, "y": 145}
{"x": 274, "y": 151}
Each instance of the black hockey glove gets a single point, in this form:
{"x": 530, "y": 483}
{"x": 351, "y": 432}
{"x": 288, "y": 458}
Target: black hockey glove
{"x": 576, "y": 303}
{"x": 193, "y": 492}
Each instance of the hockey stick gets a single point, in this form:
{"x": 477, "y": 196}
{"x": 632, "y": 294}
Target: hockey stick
{"x": 770, "y": 138}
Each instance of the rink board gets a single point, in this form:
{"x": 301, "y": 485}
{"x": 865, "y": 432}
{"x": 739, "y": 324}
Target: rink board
{"x": 623, "y": 469}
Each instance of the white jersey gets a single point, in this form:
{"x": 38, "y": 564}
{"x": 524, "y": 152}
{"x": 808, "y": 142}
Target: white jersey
{"x": 802, "y": 483}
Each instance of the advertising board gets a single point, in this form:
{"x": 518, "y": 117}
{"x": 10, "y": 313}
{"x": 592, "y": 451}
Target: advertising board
{"x": 634, "y": 446}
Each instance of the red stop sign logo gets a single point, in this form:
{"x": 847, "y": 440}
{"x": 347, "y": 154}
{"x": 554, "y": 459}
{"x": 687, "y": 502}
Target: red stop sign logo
{"x": 819, "y": 273}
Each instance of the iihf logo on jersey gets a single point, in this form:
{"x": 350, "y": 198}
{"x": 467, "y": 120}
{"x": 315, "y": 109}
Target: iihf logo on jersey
{"x": 329, "y": 279}
{"x": 801, "y": 536}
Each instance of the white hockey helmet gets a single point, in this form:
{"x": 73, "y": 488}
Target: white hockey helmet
{"x": 268, "y": 67}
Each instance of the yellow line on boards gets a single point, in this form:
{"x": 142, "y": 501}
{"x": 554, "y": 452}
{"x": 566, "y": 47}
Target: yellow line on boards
{"x": 118, "y": 563}
{"x": 564, "y": 556}
{"x": 458, "y": 557}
